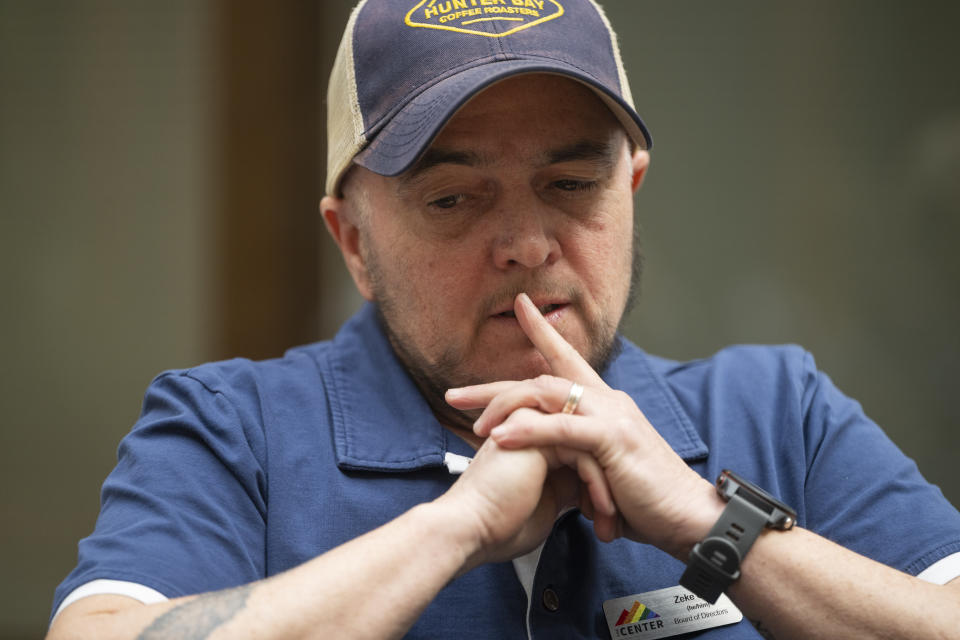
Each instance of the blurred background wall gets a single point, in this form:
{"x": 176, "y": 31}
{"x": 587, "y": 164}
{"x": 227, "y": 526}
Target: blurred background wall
{"x": 161, "y": 164}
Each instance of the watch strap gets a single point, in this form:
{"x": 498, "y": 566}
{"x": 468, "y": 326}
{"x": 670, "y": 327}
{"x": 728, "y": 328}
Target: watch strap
{"x": 715, "y": 561}
{"x": 741, "y": 522}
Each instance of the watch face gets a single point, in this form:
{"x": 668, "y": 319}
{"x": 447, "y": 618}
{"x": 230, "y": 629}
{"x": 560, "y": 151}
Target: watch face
{"x": 780, "y": 515}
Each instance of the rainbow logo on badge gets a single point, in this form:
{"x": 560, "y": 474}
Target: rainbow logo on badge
{"x": 636, "y": 613}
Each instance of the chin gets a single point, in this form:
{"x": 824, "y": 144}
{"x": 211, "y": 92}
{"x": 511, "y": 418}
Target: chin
{"x": 516, "y": 366}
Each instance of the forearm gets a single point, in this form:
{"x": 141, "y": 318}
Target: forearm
{"x": 333, "y": 595}
{"x": 796, "y": 584}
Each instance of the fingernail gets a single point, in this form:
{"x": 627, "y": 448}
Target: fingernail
{"x": 498, "y": 432}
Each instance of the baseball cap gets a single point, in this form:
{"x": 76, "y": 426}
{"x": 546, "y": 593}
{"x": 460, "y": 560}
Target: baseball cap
{"x": 404, "y": 67}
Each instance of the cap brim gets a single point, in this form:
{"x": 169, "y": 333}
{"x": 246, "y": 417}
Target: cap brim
{"x": 406, "y": 134}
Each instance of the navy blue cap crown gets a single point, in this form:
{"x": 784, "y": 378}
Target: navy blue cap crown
{"x": 409, "y": 66}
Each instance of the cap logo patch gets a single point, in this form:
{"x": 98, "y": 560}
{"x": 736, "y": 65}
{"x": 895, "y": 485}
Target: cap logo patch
{"x": 482, "y": 17}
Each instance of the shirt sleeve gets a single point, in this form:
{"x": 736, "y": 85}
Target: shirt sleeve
{"x": 862, "y": 492}
{"x": 101, "y": 587}
{"x": 184, "y": 510}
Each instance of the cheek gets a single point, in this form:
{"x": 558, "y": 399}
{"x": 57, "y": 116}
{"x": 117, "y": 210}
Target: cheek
{"x": 607, "y": 261}
{"x": 433, "y": 275}
{"x": 605, "y": 254}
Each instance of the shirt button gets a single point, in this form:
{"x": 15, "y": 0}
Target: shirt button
{"x": 551, "y": 601}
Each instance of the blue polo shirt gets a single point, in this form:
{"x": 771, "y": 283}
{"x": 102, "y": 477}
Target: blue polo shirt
{"x": 240, "y": 470}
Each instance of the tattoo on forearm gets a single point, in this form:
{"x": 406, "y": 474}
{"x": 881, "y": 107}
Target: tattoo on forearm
{"x": 764, "y": 631}
{"x": 198, "y": 618}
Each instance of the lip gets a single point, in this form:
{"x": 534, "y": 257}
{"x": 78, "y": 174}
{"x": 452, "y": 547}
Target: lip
{"x": 551, "y": 309}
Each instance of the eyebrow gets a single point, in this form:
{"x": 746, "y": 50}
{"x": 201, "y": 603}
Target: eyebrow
{"x": 434, "y": 157}
{"x": 601, "y": 153}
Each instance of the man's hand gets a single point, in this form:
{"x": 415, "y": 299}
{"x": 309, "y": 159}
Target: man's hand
{"x": 504, "y": 497}
{"x": 659, "y": 498}
{"x": 512, "y": 497}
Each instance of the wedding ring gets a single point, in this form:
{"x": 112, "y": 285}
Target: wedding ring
{"x": 573, "y": 398}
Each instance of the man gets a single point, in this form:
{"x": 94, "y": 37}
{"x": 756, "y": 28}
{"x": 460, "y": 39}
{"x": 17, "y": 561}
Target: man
{"x": 483, "y": 159}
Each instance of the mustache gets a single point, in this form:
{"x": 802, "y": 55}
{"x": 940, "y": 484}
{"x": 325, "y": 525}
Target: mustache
{"x": 537, "y": 290}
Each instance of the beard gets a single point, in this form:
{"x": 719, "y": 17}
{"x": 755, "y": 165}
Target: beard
{"x": 433, "y": 376}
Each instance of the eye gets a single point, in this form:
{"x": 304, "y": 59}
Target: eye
{"x": 574, "y": 185}
{"x": 447, "y": 202}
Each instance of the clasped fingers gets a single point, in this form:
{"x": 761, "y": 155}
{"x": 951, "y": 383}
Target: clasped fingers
{"x": 547, "y": 394}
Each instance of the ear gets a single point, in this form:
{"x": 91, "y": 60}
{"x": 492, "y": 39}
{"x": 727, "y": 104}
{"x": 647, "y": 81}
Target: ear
{"x": 340, "y": 223}
{"x": 640, "y": 163}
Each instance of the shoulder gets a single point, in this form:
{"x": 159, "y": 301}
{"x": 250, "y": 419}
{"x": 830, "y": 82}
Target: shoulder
{"x": 233, "y": 402}
{"x": 245, "y": 385}
{"x": 746, "y": 398}
{"x": 740, "y": 357}
{"x": 748, "y": 368}
{"x": 733, "y": 400}
{"x": 237, "y": 374}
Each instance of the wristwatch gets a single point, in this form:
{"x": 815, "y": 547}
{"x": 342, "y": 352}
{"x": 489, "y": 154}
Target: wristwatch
{"x": 715, "y": 561}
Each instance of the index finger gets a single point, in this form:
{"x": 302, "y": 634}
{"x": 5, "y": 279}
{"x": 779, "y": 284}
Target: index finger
{"x": 563, "y": 359}
{"x": 476, "y": 396}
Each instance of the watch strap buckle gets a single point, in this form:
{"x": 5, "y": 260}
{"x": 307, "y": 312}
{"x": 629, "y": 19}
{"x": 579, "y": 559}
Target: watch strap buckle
{"x": 714, "y": 565}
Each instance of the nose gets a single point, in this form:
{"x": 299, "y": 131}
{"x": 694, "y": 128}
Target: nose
{"x": 526, "y": 237}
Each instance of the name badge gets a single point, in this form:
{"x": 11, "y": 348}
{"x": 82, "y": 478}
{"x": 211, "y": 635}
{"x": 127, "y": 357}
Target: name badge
{"x": 666, "y": 612}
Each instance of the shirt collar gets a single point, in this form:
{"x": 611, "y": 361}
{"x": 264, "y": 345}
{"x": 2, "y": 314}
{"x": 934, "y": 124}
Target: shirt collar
{"x": 631, "y": 372}
{"x": 382, "y": 423}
